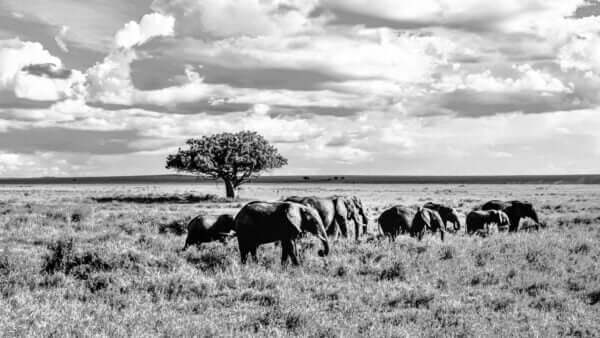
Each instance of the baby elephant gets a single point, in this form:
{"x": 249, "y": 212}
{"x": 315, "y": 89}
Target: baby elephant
{"x": 478, "y": 219}
{"x": 200, "y": 231}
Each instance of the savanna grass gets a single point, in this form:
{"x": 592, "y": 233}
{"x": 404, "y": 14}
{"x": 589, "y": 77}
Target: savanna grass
{"x": 70, "y": 266}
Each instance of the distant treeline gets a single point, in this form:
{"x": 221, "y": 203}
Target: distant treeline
{"x": 154, "y": 179}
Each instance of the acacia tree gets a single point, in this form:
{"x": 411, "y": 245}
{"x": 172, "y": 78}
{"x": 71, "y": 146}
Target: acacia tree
{"x": 233, "y": 157}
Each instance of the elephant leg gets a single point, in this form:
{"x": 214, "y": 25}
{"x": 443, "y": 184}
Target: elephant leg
{"x": 332, "y": 231}
{"x": 514, "y": 223}
{"x": 288, "y": 250}
{"x": 284, "y": 253}
{"x": 356, "y": 231}
{"x": 243, "y": 254}
{"x": 342, "y": 224}
{"x": 294, "y": 253}
{"x": 253, "y": 252}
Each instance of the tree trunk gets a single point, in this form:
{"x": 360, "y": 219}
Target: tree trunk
{"x": 230, "y": 189}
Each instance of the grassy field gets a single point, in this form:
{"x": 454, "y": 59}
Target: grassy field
{"x": 102, "y": 260}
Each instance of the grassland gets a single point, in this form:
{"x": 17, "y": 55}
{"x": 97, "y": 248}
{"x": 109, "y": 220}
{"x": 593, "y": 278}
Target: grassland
{"x": 93, "y": 261}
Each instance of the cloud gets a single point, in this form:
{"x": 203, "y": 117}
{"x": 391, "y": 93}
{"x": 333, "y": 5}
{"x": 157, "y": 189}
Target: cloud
{"x": 31, "y": 72}
{"x": 435, "y": 87}
{"x": 466, "y": 14}
{"x": 527, "y": 79}
{"x": 581, "y": 53}
{"x": 49, "y": 70}
{"x": 231, "y": 18}
{"x": 60, "y": 38}
{"x": 150, "y": 26}
{"x": 16, "y": 54}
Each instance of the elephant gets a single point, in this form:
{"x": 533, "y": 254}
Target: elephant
{"x": 515, "y": 210}
{"x": 360, "y": 209}
{"x": 426, "y": 219}
{"x": 199, "y": 230}
{"x": 356, "y": 213}
{"x": 447, "y": 214}
{"x": 395, "y": 221}
{"x": 335, "y": 212}
{"x": 477, "y": 219}
{"x": 266, "y": 222}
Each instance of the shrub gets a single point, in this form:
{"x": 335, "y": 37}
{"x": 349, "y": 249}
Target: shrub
{"x": 294, "y": 321}
{"x": 176, "y": 227}
{"x": 548, "y": 304}
{"x": 178, "y": 287}
{"x": 262, "y": 298}
{"x": 396, "y": 271}
{"x": 593, "y": 297}
{"x": 501, "y": 303}
{"x": 485, "y": 278}
{"x": 414, "y": 298}
{"x": 213, "y": 259}
{"x": 82, "y": 263}
{"x": 447, "y": 252}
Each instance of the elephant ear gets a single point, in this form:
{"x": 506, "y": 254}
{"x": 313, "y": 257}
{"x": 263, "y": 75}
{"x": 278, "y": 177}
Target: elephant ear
{"x": 436, "y": 220}
{"x": 294, "y": 217}
{"x": 425, "y": 217}
{"x": 504, "y": 218}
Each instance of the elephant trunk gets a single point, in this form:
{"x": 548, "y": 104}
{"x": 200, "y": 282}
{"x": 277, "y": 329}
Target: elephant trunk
{"x": 456, "y": 225}
{"x": 534, "y": 216}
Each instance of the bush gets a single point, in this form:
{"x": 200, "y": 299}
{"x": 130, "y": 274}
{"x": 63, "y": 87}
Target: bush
{"x": 176, "y": 227}
{"x": 294, "y": 321}
{"x": 415, "y": 298}
{"x": 213, "y": 259}
{"x": 178, "y": 287}
{"x": 396, "y": 271}
{"x": 268, "y": 298}
{"x": 153, "y": 199}
{"x": 447, "y": 252}
{"x": 82, "y": 263}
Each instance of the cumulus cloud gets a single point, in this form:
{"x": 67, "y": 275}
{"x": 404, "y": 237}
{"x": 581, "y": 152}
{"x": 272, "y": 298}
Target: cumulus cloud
{"x": 150, "y": 26}
{"x": 31, "y": 72}
{"x": 581, "y": 53}
{"x": 527, "y": 79}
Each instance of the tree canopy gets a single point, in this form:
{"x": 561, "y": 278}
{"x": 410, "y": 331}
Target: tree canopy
{"x": 232, "y": 157}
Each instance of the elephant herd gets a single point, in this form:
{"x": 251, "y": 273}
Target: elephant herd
{"x": 328, "y": 218}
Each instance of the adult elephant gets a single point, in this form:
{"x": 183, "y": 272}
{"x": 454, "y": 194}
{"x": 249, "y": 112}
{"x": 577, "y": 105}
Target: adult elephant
{"x": 360, "y": 212}
{"x": 516, "y": 210}
{"x": 426, "y": 219}
{"x": 478, "y": 219}
{"x": 266, "y": 222}
{"x": 355, "y": 213}
{"x": 335, "y": 212}
{"x": 448, "y": 214}
{"x": 200, "y": 230}
{"x": 395, "y": 221}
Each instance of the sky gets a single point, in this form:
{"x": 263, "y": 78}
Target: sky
{"x": 373, "y": 87}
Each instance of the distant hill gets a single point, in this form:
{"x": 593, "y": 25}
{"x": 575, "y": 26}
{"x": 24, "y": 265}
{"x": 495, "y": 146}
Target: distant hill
{"x": 156, "y": 179}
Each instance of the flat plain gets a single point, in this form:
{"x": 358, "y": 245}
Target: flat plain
{"x": 104, "y": 260}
